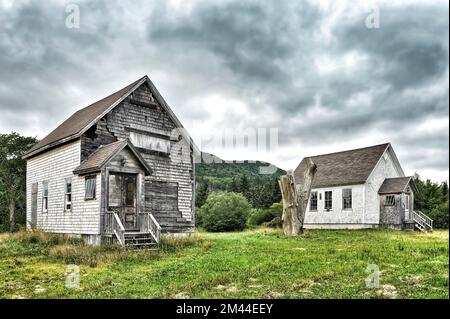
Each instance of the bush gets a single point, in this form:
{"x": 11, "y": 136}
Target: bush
{"x": 224, "y": 211}
{"x": 274, "y": 223}
{"x": 439, "y": 215}
{"x": 260, "y": 216}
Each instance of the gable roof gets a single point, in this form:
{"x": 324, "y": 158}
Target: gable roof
{"x": 104, "y": 154}
{"x": 343, "y": 168}
{"x": 82, "y": 120}
{"x": 396, "y": 185}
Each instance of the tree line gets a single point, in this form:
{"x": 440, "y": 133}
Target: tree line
{"x": 260, "y": 191}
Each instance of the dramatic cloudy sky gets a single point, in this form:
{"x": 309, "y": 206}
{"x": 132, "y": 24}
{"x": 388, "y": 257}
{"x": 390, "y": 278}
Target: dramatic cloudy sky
{"x": 312, "y": 69}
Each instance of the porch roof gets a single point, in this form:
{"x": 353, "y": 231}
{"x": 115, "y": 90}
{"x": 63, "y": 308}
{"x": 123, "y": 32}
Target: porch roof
{"x": 104, "y": 154}
{"x": 396, "y": 185}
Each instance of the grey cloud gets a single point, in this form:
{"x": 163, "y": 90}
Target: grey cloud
{"x": 262, "y": 54}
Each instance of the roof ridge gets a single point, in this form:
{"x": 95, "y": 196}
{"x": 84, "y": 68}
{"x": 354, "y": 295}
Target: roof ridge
{"x": 351, "y": 150}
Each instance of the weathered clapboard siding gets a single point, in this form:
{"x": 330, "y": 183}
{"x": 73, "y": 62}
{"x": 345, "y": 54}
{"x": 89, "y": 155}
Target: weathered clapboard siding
{"x": 55, "y": 167}
{"x": 125, "y": 132}
{"x": 385, "y": 168}
{"x": 141, "y": 113}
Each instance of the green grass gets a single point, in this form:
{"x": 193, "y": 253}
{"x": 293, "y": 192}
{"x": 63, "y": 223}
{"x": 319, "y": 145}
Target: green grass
{"x": 259, "y": 263}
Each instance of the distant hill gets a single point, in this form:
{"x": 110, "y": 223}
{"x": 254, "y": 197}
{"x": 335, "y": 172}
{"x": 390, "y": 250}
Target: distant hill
{"x": 214, "y": 167}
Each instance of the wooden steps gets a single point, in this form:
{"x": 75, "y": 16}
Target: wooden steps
{"x": 422, "y": 222}
{"x": 139, "y": 240}
{"x": 173, "y": 222}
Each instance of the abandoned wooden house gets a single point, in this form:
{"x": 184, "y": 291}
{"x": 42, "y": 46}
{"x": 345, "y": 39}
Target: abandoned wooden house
{"x": 119, "y": 170}
{"x": 361, "y": 188}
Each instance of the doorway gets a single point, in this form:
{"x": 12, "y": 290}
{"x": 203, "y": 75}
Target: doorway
{"x": 122, "y": 198}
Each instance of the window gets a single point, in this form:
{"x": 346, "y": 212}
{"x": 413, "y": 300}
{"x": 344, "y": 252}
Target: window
{"x": 313, "y": 202}
{"x": 68, "y": 195}
{"x": 407, "y": 202}
{"x": 347, "y": 198}
{"x": 45, "y": 197}
{"x": 130, "y": 190}
{"x": 328, "y": 200}
{"x": 389, "y": 200}
{"x": 89, "y": 185}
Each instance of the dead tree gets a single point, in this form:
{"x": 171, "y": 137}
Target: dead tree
{"x": 295, "y": 199}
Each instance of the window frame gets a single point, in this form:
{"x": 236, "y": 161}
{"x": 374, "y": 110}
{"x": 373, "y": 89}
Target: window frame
{"x": 330, "y": 200}
{"x": 311, "y": 201}
{"x": 389, "y": 202}
{"x": 344, "y": 199}
{"x": 68, "y": 181}
{"x": 86, "y": 178}
{"x": 44, "y": 207}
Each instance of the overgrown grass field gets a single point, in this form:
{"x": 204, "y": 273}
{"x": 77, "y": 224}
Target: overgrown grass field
{"x": 260, "y": 263}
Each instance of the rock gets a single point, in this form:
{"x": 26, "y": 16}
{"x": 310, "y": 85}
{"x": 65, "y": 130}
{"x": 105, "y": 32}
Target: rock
{"x": 181, "y": 295}
{"x": 38, "y": 289}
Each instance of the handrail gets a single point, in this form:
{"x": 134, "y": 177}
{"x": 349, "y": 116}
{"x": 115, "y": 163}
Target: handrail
{"x": 155, "y": 228}
{"x": 148, "y": 224}
{"x": 119, "y": 230}
{"x": 423, "y": 220}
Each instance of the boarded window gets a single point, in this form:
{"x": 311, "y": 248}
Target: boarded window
{"x": 389, "y": 200}
{"x": 161, "y": 196}
{"x": 45, "y": 197}
{"x": 347, "y": 198}
{"x": 90, "y": 184}
{"x": 68, "y": 195}
{"x": 150, "y": 142}
{"x": 328, "y": 200}
{"x": 313, "y": 202}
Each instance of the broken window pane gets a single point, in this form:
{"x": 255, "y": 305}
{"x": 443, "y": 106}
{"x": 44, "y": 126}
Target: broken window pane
{"x": 90, "y": 183}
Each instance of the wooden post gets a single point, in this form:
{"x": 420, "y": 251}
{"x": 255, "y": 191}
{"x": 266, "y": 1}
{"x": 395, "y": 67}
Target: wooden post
{"x": 295, "y": 199}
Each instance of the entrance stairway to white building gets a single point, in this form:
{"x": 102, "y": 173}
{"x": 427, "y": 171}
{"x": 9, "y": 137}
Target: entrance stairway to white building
{"x": 422, "y": 222}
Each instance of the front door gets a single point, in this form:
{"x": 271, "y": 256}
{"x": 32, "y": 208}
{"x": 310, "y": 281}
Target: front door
{"x": 122, "y": 198}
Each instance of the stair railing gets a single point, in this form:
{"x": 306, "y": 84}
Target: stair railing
{"x": 423, "y": 220}
{"x": 118, "y": 229}
{"x": 148, "y": 224}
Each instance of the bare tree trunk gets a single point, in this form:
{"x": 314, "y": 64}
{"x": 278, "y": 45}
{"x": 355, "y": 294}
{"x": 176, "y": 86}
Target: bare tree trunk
{"x": 12, "y": 215}
{"x": 295, "y": 199}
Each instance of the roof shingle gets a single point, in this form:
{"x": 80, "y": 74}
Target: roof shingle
{"x": 79, "y": 120}
{"x": 106, "y": 152}
{"x": 394, "y": 185}
{"x": 343, "y": 168}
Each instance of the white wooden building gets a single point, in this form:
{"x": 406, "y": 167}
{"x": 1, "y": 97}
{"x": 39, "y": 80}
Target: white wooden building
{"x": 121, "y": 169}
{"x": 361, "y": 188}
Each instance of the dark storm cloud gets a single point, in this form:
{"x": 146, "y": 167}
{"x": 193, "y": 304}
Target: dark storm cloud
{"x": 315, "y": 68}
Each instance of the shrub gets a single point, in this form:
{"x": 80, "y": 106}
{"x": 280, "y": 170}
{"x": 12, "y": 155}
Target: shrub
{"x": 225, "y": 211}
{"x": 261, "y": 216}
{"x": 274, "y": 223}
{"x": 439, "y": 214}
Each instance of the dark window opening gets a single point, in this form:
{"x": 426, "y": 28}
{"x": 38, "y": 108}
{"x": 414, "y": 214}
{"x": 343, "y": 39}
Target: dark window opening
{"x": 347, "y": 199}
{"x": 313, "y": 202}
{"x": 45, "y": 197}
{"x": 68, "y": 195}
{"x": 389, "y": 200}
{"x": 328, "y": 200}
